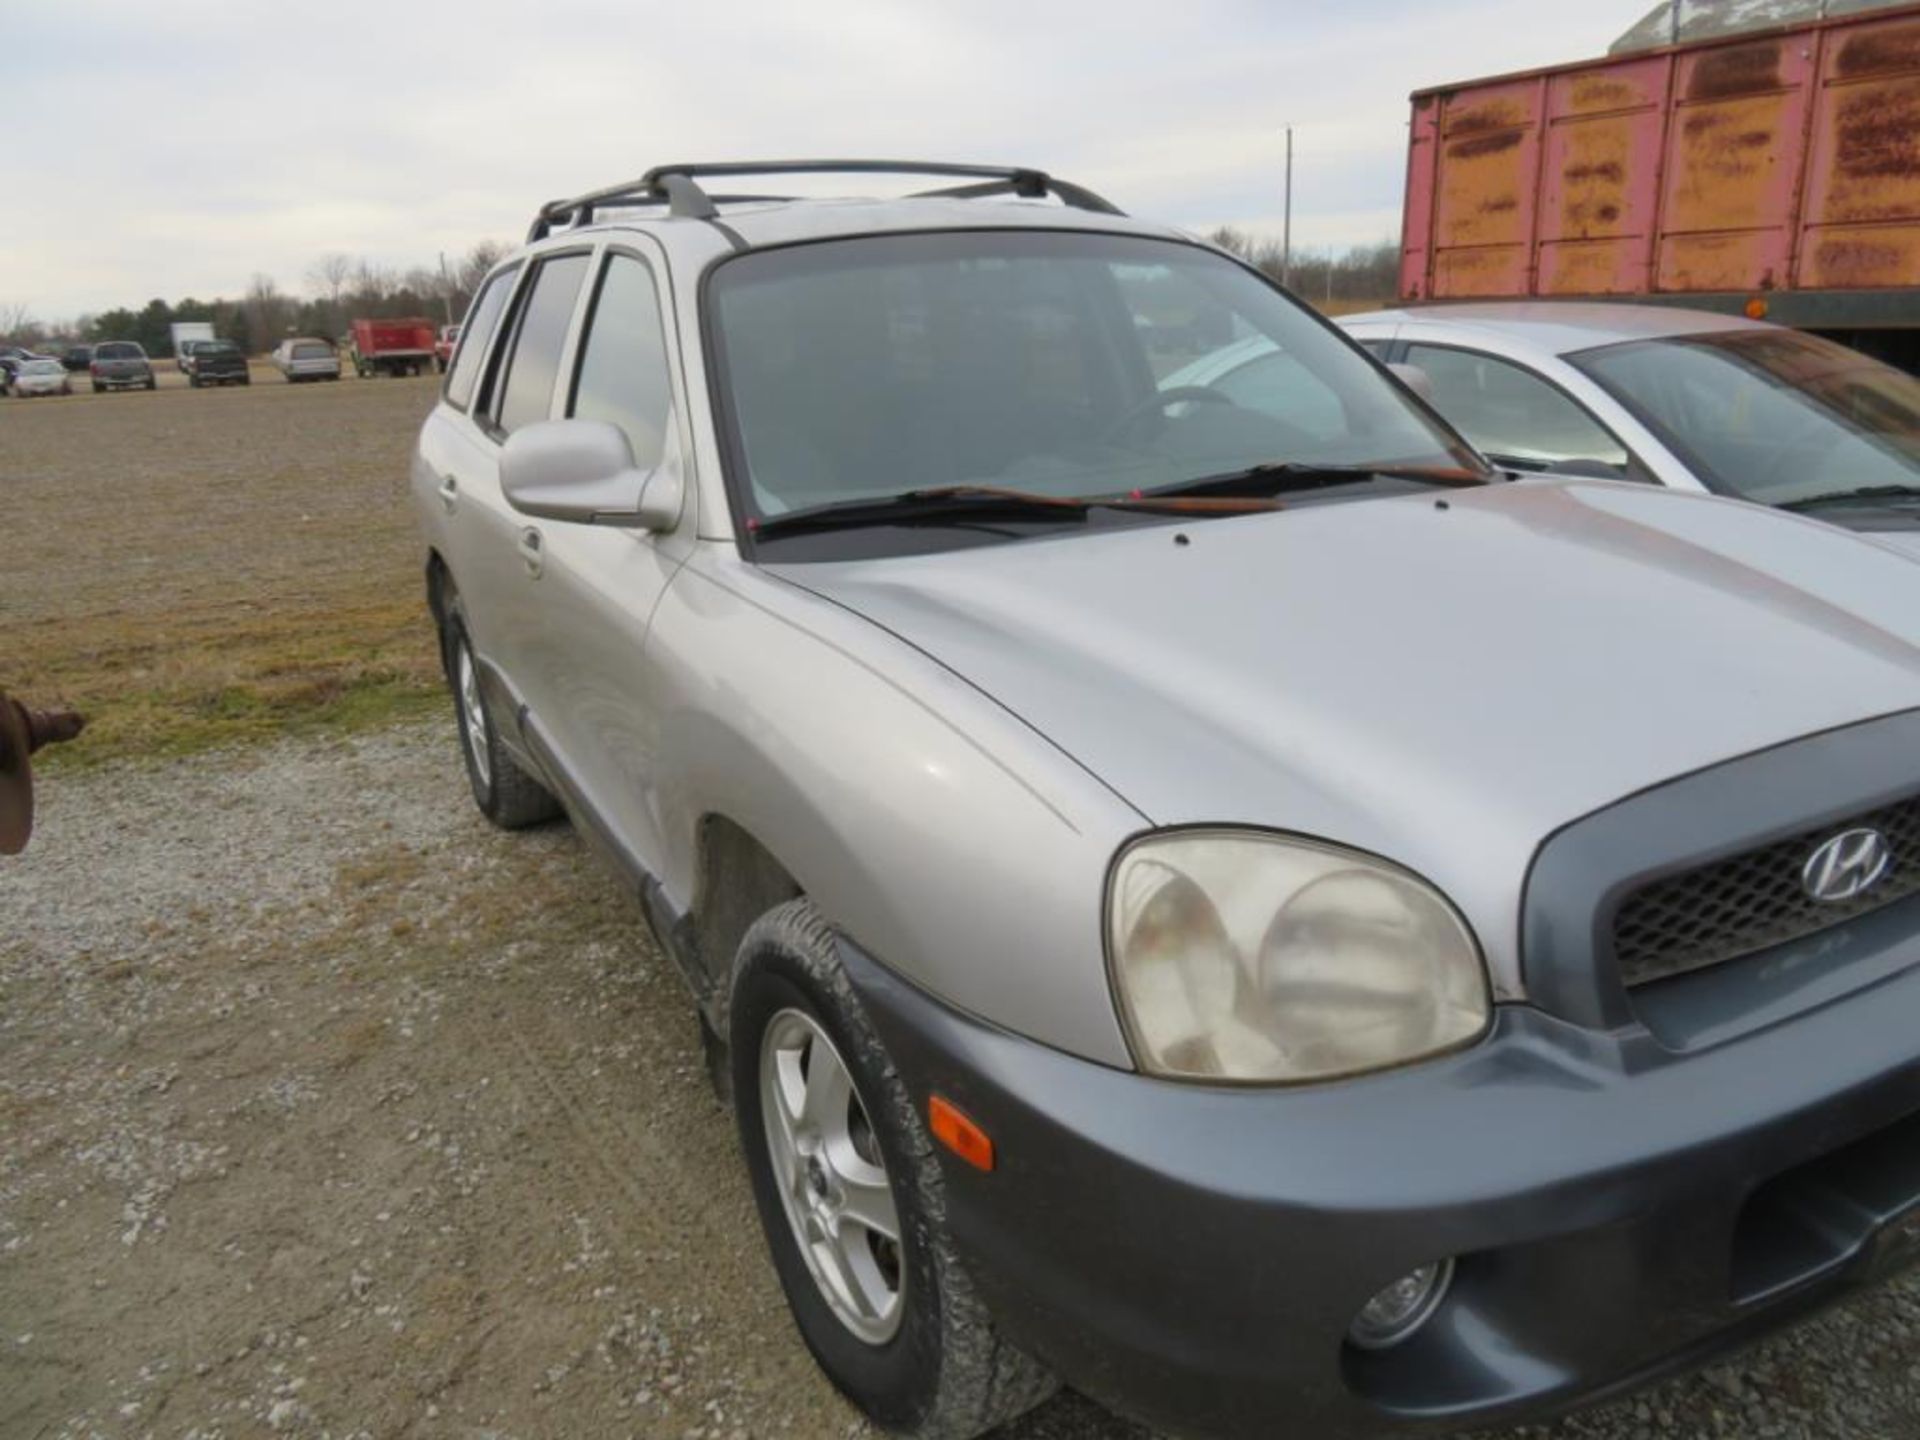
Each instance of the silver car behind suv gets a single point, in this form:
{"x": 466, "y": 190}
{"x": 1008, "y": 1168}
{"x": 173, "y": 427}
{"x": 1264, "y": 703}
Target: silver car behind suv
{"x": 1194, "y": 892}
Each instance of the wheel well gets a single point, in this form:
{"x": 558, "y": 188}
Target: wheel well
{"x": 739, "y": 882}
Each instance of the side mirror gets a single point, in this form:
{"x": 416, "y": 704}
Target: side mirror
{"x": 583, "y": 471}
{"x": 1415, "y": 379}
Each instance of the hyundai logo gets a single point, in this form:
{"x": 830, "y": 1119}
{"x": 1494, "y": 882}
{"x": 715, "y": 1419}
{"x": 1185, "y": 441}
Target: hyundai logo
{"x": 1846, "y": 866}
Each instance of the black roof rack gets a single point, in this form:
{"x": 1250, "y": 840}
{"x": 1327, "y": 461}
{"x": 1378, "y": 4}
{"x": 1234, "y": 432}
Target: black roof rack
{"x": 677, "y": 187}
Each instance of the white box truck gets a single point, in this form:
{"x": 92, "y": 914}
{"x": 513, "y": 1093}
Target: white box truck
{"x": 184, "y": 333}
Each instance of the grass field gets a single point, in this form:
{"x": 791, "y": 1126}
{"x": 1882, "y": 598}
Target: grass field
{"x": 197, "y": 566}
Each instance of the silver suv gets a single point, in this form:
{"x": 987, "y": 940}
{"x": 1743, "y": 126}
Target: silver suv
{"x": 1193, "y": 891}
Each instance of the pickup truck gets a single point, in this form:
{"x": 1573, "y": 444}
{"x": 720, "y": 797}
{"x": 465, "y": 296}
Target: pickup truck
{"x": 218, "y": 362}
{"x": 121, "y": 365}
{"x": 392, "y": 347}
{"x": 443, "y": 347}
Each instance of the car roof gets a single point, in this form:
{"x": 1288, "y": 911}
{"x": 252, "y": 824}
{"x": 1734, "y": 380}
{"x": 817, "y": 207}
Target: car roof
{"x": 1561, "y": 327}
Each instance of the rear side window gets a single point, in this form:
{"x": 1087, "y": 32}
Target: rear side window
{"x": 623, "y": 362}
{"x": 118, "y": 350}
{"x": 466, "y": 364}
{"x": 534, "y": 364}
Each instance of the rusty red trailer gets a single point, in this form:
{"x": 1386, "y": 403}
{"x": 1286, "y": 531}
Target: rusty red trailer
{"x": 1774, "y": 171}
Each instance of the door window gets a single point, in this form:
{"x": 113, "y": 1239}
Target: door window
{"x": 484, "y": 311}
{"x": 623, "y": 360}
{"x": 534, "y": 365}
{"x": 1512, "y": 414}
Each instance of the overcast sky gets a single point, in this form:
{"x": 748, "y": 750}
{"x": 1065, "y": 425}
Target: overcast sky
{"x": 176, "y": 149}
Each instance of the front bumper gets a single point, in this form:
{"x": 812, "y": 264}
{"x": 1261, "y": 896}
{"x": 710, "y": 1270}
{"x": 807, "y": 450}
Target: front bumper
{"x": 1195, "y": 1256}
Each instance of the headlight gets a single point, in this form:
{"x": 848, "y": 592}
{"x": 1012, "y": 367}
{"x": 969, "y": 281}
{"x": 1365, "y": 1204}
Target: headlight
{"x": 1245, "y": 957}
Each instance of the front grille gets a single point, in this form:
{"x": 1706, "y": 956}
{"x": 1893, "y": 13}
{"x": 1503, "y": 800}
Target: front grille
{"x": 1753, "y": 901}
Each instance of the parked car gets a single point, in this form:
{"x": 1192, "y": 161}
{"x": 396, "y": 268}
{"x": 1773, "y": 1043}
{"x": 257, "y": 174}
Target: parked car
{"x": 11, "y": 357}
{"x": 77, "y": 358}
{"x": 392, "y": 347}
{"x": 218, "y": 362}
{"x": 306, "y": 360}
{"x": 121, "y": 365}
{"x": 1681, "y": 398}
{"x": 1220, "y": 906}
{"x": 41, "y": 376}
{"x": 443, "y": 346}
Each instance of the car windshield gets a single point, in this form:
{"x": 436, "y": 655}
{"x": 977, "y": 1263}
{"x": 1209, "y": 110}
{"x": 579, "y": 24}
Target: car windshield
{"x": 122, "y": 351}
{"x": 1770, "y": 415}
{"x": 311, "y": 351}
{"x": 42, "y": 367}
{"x": 1061, "y": 364}
{"x": 215, "y": 347}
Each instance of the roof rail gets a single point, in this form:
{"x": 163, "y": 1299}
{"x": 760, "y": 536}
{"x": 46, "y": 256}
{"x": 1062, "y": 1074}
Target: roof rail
{"x": 677, "y": 187}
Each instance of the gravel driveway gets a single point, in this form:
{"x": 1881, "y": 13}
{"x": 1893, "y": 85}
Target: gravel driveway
{"x": 327, "y": 1110}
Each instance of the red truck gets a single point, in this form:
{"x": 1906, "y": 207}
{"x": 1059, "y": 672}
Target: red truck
{"x": 392, "y": 347}
{"x": 1750, "y": 156}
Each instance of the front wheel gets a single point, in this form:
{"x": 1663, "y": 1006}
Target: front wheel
{"x": 152, "y": 384}
{"x": 850, "y": 1197}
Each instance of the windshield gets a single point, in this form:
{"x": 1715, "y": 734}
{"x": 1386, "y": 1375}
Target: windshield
{"x": 312, "y": 352}
{"x": 1770, "y": 415}
{"x": 119, "y": 350}
{"x": 42, "y": 367}
{"x": 1062, "y": 364}
{"x": 214, "y": 347}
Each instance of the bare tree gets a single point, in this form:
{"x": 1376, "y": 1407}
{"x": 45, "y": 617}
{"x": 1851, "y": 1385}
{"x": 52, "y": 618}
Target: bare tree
{"x": 16, "y": 321}
{"x": 329, "y": 276}
{"x": 267, "y": 313}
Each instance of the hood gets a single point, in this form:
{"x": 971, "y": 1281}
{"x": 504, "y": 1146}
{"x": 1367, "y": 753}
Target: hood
{"x": 1442, "y": 686}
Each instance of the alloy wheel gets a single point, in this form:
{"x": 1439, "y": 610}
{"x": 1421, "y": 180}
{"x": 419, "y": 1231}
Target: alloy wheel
{"x": 831, "y": 1177}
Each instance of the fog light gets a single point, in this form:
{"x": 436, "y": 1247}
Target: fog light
{"x": 1402, "y": 1308}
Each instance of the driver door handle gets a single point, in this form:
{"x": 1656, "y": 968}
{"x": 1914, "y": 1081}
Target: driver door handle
{"x": 531, "y": 550}
{"x": 449, "y": 492}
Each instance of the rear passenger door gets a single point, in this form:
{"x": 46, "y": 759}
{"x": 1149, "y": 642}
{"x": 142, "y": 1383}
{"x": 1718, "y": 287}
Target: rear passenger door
{"x": 592, "y": 691}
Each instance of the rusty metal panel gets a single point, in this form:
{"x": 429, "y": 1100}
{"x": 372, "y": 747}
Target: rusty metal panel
{"x": 1865, "y": 161}
{"x": 1489, "y": 156}
{"x": 1600, "y": 195}
{"x": 1416, "y": 243}
{"x": 1861, "y": 257}
{"x": 1487, "y": 271}
{"x": 1733, "y": 171}
{"x": 1486, "y": 190}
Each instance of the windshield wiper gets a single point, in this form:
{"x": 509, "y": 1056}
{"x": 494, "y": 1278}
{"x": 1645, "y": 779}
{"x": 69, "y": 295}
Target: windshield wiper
{"x": 1865, "y": 495}
{"x": 1281, "y": 476}
{"x": 960, "y": 504}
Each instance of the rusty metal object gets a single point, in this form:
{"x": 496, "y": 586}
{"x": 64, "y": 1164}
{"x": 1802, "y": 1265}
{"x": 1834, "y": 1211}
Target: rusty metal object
{"x": 1758, "y": 160}
{"x": 22, "y": 732}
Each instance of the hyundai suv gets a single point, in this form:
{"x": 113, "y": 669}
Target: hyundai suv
{"x": 1202, "y": 895}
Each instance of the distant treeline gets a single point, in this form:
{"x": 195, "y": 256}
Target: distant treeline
{"x": 339, "y": 289}
{"x": 1359, "y": 273}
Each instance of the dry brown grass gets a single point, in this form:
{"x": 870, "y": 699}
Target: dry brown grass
{"x": 194, "y": 567}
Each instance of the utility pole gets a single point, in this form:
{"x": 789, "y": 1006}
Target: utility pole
{"x": 446, "y": 288}
{"x": 1286, "y": 232}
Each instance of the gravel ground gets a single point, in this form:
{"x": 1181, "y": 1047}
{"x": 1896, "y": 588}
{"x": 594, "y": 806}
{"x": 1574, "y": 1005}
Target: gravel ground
{"x": 326, "y": 1110}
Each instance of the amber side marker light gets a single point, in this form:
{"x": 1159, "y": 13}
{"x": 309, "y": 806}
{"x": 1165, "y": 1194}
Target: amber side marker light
{"x": 953, "y": 1129}
{"x": 1757, "y": 309}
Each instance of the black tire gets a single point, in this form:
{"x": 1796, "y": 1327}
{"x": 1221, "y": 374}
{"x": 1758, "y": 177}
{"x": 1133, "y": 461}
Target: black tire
{"x": 152, "y": 384}
{"x": 246, "y": 379}
{"x": 97, "y": 387}
{"x": 506, "y": 794}
{"x": 193, "y": 382}
{"x": 945, "y": 1373}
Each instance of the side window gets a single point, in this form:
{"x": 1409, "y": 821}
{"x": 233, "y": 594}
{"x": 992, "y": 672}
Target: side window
{"x": 623, "y": 361}
{"x": 481, "y": 318}
{"x": 1512, "y": 414}
{"x": 534, "y": 365}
